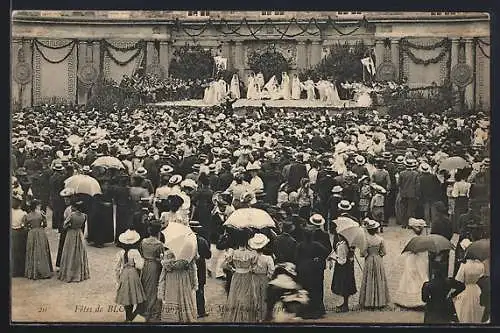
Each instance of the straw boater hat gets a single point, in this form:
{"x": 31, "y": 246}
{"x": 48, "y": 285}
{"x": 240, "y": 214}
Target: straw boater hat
{"x": 284, "y": 281}
{"x": 175, "y": 179}
{"x": 360, "y": 160}
{"x": 425, "y": 167}
{"x": 253, "y": 166}
{"x": 141, "y": 172}
{"x": 400, "y": 159}
{"x": 248, "y": 197}
{"x": 345, "y": 205}
{"x": 58, "y": 167}
{"x": 94, "y": 146}
{"x": 363, "y": 178}
{"x": 258, "y": 241}
{"x": 337, "y": 189}
{"x": 85, "y": 168}
{"x": 411, "y": 163}
{"x": 166, "y": 169}
{"x": 416, "y": 223}
{"x": 152, "y": 151}
{"x": 129, "y": 237}
{"x": 195, "y": 225}
{"x": 212, "y": 168}
{"x": 371, "y": 224}
{"x": 317, "y": 220}
{"x": 67, "y": 192}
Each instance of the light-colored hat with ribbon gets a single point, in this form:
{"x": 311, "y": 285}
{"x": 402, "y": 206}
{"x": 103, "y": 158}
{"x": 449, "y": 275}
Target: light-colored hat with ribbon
{"x": 345, "y": 205}
{"x": 129, "y": 237}
{"x": 166, "y": 169}
{"x": 416, "y": 223}
{"x": 317, "y": 220}
{"x": 258, "y": 241}
{"x": 175, "y": 179}
{"x": 142, "y": 172}
{"x": 67, "y": 192}
{"x": 371, "y": 224}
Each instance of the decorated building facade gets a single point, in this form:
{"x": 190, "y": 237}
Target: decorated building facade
{"x": 60, "y": 56}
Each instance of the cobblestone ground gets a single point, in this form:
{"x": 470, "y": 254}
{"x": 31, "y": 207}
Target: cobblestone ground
{"x": 92, "y": 300}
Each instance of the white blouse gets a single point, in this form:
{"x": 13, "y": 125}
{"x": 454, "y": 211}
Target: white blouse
{"x": 134, "y": 258}
{"x": 16, "y": 219}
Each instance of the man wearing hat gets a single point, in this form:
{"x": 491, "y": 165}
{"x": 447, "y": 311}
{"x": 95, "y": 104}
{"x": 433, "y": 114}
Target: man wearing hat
{"x": 91, "y": 155}
{"x": 56, "y": 185}
{"x": 149, "y": 164}
{"x": 429, "y": 190}
{"x": 359, "y": 167}
{"x": 408, "y": 195}
{"x": 324, "y": 186}
{"x": 297, "y": 170}
{"x": 201, "y": 265}
{"x": 142, "y": 173}
{"x": 213, "y": 178}
{"x": 285, "y": 244}
{"x": 225, "y": 176}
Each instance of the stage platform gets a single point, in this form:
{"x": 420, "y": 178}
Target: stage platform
{"x": 241, "y": 103}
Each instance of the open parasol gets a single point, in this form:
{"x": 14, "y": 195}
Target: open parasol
{"x": 432, "y": 243}
{"x": 83, "y": 184}
{"x": 108, "y": 162}
{"x": 478, "y": 250}
{"x": 181, "y": 240}
{"x": 454, "y": 162}
{"x": 352, "y": 231}
{"x": 250, "y": 217}
{"x": 74, "y": 140}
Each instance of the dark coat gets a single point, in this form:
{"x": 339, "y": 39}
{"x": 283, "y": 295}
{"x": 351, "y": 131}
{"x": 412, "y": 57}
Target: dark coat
{"x": 485, "y": 299}
{"x": 409, "y": 184}
{"x": 284, "y": 248}
{"x": 443, "y": 227}
{"x": 438, "y": 308}
{"x": 225, "y": 180}
{"x": 272, "y": 181}
{"x": 322, "y": 237}
{"x": 204, "y": 253}
{"x": 429, "y": 187}
{"x": 296, "y": 173}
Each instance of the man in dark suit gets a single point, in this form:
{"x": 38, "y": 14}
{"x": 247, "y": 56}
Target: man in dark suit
{"x": 409, "y": 191}
{"x": 225, "y": 176}
{"x": 285, "y": 244}
{"x": 56, "y": 184}
{"x": 297, "y": 171}
{"x": 203, "y": 254}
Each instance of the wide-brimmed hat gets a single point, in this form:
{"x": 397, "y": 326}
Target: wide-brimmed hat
{"x": 284, "y": 281}
{"x": 258, "y": 241}
{"x": 379, "y": 188}
{"x": 175, "y": 179}
{"x": 140, "y": 152}
{"x": 416, "y": 223}
{"x": 411, "y": 163}
{"x": 400, "y": 159}
{"x": 337, "y": 189}
{"x": 129, "y": 237}
{"x": 212, "y": 168}
{"x": 248, "y": 197}
{"x": 152, "y": 151}
{"x": 67, "y": 192}
{"x": 360, "y": 160}
{"x": 86, "y": 168}
{"x": 371, "y": 224}
{"x": 317, "y": 220}
{"x": 345, "y": 205}
{"x": 486, "y": 162}
{"x": 425, "y": 167}
{"x": 166, "y": 169}
{"x": 189, "y": 183}
{"x": 58, "y": 167}
{"x": 195, "y": 224}
{"x": 141, "y": 172}
{"x": 94, "y": 146}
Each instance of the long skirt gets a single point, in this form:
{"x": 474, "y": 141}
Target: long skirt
{"x": 467, "y": 305}
{"x": 374, "y": 291}
{"x": 130, "y": 290}
{"x": 18, "y": 239}
{"x": 62, "y": 238}
{"x": 311, "y": 278}
{"x": 343, "y": 281}
{"x": 241, "y": 302}
{"x": 179, "y": 304}
{"x": 74, "y": 264}
{"x": 415, "y": 273}
{"x": 38, "y": 259}
{"x": 461, "y": 207}
{"x": 259, "y": 284}
{"x": 150, "y": 274}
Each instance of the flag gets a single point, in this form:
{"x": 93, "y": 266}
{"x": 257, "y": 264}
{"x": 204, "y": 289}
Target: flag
{"x": 369, "y": 65}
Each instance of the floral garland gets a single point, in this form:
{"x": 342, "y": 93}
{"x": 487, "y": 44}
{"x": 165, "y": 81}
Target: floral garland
{"x": 37, "y": 45}
{"x": 405, "y": 46}
{"x": 137, "y": 45}
{"x": 140, "y": 46}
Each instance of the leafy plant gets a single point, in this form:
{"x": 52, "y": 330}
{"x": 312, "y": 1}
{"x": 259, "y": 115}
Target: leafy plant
{"x": 109, "y": 95}
{"x": 192, "y": 62}
{"x": 268, "y": 63}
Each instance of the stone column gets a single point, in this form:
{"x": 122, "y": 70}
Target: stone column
{"x": 226, "y": 53}
{"x": 301, "y": 55}
{"x": 239, "y": 62}
{"x": 165, "y": 54}
{"x": 315, "y": 53}
{"x": 469, "y": 60}
{"x": 151, "y": 52}
{"x": 454, "y": 51}
{"x": 379, "y": 52}
{"x": 395, "y": 56}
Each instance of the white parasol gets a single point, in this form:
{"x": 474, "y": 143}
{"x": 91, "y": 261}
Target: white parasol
{"x": 181, "y": 240}
{"x": 83, "y": 184}
{"x": 250, "y": 217}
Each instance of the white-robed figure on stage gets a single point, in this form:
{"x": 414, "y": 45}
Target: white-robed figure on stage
{"x": 210, "y": 97}
{"x": 296, "y": 87}
{"x": 271, "y": 89}
{"x": 285, "y": 85}
{"x": 252, "y": 87}
{"x": 332, "y": 95}
{"x": 364, "y": 99}
{"x": 235, "y": 87}
{"x": 309, "y": 87}
{"x": 322, "y": 85}
{"x": 222, "y": 90}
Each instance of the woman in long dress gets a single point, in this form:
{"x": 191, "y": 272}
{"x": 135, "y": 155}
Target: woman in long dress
{"x": 285, "y": 86}
{"x": 74, "y": 263}
{"x": 415, "y": 273}
{"x": 235, "y": 87}
{"x": 296, "y": 87}
{"x": 467, "y": 303}
{"x": 151, "y": 249}
{"x": 101, "y": 226}
{"x": 460, "y": 194}
{"x": 251, "y": 87}
{"x": 262, "y": 271}
{"x": 309, "y": 87}
{"x": 18, "y": 237}
{"x": 128, "y": 262}
{"x": 222, "y": 90}
{"x": 38, "y": 259}
{"x": 259, "y": 81}
{"x": 241, "y": 303}
{"x": 68, "y": 196}
{"x": 177, "y": 289}
{"x": 271, "y": 89}
{"x": 332, "y": 96}
{"x": 374, "y": 291}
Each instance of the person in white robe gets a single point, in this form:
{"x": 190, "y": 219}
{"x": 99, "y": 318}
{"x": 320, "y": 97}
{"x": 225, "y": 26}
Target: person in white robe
{"x": 296, "y": 87}
{"x": 222, "y": 90}
{"x": 285, "y": 85}
{"x": 321, "y": 86}
{"x": 235, "y": 87}
{"x": 309, "y": 87}
{"x": 251, "y": 84}
{"x": 271, "y": 89}
{"x": 332, "y": 97}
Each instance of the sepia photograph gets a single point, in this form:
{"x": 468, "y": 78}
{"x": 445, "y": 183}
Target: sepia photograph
{"x": 250, "y": 167}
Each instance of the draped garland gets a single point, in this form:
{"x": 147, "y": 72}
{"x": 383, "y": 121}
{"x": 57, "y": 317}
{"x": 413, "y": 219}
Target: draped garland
{"x": 138, "y": 47}
{"x": 222, "y": 23}
{"x": 37, "y": 44}
{"x": 406, "y": 46}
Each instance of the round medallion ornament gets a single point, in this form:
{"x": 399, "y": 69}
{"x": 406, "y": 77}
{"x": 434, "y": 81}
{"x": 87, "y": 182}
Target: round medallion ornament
{"x": 461, "y": 75}
{"x": 22, "y": 73}
{"x": 386, "y": 71}
{"x": 88, "y": 74}
{"x": 157, "y": 70}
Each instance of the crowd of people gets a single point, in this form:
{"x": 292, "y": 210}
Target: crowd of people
{"x": 312, "y": 173}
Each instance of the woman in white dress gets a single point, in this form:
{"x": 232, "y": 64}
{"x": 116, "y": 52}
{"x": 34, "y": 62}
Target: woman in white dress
{"x": 332, "y": 94}
{"x": 309, "y": 87}
{"x": 285, "y": 85}
{"x": 251, "y": 87}
{"x": 296, "y": 87}
{"x": 271, "y": 88}
{"x": 322, "y": 90}
{"x": 222, "y": 90}
{"x": 210, "y": 97}
{"x": 415, "y": 273}
{"x": 467, "y": 303}
{"x": 235, "y": 87}
{"x": 364, "y": 99}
